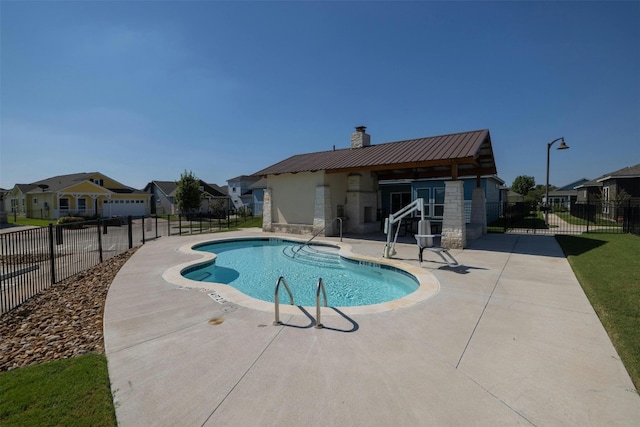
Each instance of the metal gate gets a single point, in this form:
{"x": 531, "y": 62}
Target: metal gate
{"x": 531, "y": 218}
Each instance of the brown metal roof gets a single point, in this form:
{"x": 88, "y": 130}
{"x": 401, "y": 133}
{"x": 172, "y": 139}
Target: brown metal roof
{"x": 459, "y": 154}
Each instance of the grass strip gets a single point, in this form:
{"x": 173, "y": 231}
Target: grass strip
{"x": 608, "y": 269}
{"x": 68, "y": 392}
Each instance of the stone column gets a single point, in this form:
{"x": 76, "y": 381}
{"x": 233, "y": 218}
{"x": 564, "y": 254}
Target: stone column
{"x": 267, "y": 222}
{"x": 322, "y": 210}
{"x": 478, "y": 209}
{"x": 454, "y": 233}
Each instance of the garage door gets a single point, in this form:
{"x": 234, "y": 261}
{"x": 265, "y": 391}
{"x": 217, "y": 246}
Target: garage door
{"x": 124, "y": 208}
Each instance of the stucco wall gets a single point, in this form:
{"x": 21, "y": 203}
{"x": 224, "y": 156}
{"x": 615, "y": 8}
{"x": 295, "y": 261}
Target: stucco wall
{"x": 338, "y": 184}
{"x": 293, "y": 197}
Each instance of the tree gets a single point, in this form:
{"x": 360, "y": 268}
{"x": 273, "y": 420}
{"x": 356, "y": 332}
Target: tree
{"x": 536, "y": 194}
{"x": 523, "y": 184}
{"x": 188, "y": 195}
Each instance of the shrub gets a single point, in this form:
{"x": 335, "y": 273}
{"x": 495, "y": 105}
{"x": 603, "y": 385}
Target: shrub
{"x": 74, "y": 221}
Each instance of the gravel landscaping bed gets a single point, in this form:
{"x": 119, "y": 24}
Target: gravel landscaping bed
{"x": 63, "y": 321}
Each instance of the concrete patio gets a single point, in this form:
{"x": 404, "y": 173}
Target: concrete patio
{"x": 509, "y": 338}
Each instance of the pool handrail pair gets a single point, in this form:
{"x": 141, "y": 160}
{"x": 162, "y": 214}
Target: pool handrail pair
{"x": 276, "y": 300}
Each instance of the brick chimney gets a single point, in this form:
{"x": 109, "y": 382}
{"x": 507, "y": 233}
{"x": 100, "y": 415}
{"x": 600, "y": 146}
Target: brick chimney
{"x": 360, "y": 138}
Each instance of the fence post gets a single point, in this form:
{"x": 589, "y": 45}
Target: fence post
{"x": 180, "y": 224}
{"x": 505, "y": 214}
{"x": 130, "y": 230}
{"x": 169, "y": 225}
{"x": 99, "y": 240}
{"x": 52, "y": 263}
{"x": 157, "y": 235}
{"x": 626, "y": 218}
{"x": 143, "y": 230}
{"x": 59, "y": 240}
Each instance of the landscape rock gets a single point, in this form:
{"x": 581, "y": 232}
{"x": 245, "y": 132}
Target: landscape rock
{"x": 63, "y": 321}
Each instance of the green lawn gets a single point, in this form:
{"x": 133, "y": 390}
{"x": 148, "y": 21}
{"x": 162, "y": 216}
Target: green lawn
{"x": 68, "y": 392}
{"x": 567, "y": 217}
{"x": 29, "y": 221}
{"x": 608, "y": 268}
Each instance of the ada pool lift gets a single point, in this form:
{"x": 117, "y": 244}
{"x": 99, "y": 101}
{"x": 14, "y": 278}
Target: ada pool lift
{"x": 389, "y": 247}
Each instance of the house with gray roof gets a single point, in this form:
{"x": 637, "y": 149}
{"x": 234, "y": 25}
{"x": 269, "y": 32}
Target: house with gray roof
{"x": 612, "y": 190}
{"x": 213, "y": 197}
{"x": 86, "y": 194}
{"x": 241, "y": 192}
{"x": 566, "y": 195}
{"x": 306, "y": 192}
{"x": 626, "y": 179}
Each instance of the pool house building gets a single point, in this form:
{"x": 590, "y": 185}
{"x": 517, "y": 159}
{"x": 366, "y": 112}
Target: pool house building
{"x": 362, "y": 184}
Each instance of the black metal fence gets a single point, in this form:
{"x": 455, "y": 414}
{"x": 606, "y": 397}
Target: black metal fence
{"x": 31, "y": 260}
{"x": 579, "y": 218}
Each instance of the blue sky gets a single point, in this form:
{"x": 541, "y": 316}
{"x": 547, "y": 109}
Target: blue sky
{"x": 145, "y": 90}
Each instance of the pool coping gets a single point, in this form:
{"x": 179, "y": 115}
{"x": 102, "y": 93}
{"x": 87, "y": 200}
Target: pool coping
{"x": 428, "y": 287}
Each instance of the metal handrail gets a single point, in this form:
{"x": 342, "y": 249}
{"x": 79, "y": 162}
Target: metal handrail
{"x": 277, "y": 321}
{"x": 320, "y": 231}
{"x": 324, "y": 293}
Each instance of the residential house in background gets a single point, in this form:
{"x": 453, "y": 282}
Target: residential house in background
{"x": 513, "y": 197}
{"x": 240, "y": 191}
{"x": 612, "y": 190}
{"x": 214, "y": 198}
{"x": 306, "y": 192}
{"x": 80, "y": 194}
{"x": 564, "y": 196}
{"x": 257, "y": 192}
{"x": 3, "y": 209}
{"x": 608, "y": 185}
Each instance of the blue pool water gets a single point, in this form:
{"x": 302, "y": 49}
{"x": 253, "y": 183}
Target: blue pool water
{"x": 254, "y": 266}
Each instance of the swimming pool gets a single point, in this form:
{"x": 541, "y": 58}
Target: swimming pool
{"x": 253, "y": 266}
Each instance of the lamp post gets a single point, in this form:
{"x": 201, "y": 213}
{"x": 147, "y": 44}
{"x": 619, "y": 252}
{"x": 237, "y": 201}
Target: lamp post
{"x": 562, "y": 146}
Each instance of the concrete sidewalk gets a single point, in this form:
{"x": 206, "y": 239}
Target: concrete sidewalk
{"x": 508, "y": 339}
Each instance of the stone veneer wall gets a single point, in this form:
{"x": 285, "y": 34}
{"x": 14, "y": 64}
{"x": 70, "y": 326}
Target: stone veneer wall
{"x": 454, "y": 234}
{"x": 362, "y": 193}
{"x": 267, "y": 222}
{"x": 322, "y": 211}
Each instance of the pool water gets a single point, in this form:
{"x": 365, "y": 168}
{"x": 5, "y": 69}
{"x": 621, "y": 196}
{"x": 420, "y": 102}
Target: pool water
{"x": 254, "y": 266}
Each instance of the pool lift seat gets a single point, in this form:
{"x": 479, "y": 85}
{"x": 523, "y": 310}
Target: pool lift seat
{"x": 425, "y": 240}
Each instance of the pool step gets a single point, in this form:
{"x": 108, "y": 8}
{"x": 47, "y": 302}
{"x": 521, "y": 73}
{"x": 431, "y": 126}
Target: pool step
{"x": 315, "y": 255}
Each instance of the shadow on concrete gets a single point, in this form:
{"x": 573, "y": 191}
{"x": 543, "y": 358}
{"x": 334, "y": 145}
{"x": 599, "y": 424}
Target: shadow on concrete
{"x": 577, "y": 245}
{"x": 312, "y": 322}
{"x": 354, "y": 324}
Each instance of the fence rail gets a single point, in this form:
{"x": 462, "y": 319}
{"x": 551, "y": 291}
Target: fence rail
{"x": 577, "y": 219}
{"x": 34, "y": 259}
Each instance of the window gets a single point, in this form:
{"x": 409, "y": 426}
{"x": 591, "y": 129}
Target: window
{"x": 438, "y": 202}
{"x": 82, "y": 205}
{"x": 399, "y": 201}
{"x": 99, "y": 182}
{"x": 35, "y": 200}
{"x": 64, "y": 204}
{"x": 605, "y": 200}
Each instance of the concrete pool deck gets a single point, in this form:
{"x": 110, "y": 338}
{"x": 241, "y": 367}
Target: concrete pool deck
{"x": 509, "y": 338}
